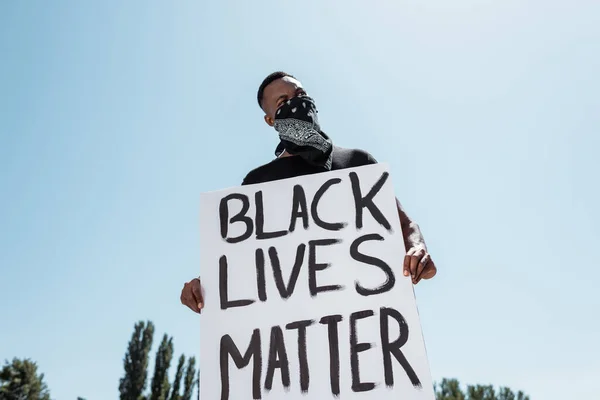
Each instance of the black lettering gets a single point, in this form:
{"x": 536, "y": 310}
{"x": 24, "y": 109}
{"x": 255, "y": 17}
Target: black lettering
{"x": 261, "y": 283}
{"x": 367, "y": 201}
{"x": 363, "y": 258}
{"x": 393, "y": 348}
{"x": 228, "y": 348}
{"x": 314, "y": 267}
{"x": 224, "y": 289}
{"x": 315, "y": 204}
{"x": 334, "y": 351}
{"x": 286, "y": 291}
{"x": 260, "y": 220}
{"x": 277, "y": 359}
{"x": 240, "y": 217}
{"x": 299, "y": 208}
{"x": 355, "y": 348}
{"x": 302, "y": 356}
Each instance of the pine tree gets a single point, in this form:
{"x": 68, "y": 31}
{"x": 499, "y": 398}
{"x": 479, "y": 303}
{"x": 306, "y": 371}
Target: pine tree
{"x": 522, "y": 396}
{"x": 506, "y": 394}
{"x": 160, "y": 380}
{"x": 20, "y": 380}
{"x": 481, "y": 392}
{"x": 190, "y": 379}
{"x": 132, "y": 385}
{"x": 449, "y": 389}
{"x": 177, "y": 382}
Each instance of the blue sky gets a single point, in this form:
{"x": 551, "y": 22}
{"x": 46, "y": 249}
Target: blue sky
{"x": 115, "y": 116}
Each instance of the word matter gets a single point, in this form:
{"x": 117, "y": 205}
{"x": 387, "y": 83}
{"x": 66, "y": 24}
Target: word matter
{"x": 278, "y": 358}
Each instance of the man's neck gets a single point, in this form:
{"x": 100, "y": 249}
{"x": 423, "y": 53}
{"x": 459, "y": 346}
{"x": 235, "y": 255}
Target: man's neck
{"x": 285, "y": 154}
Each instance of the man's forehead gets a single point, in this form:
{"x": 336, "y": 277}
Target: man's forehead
{"x": 291, "y": 81}
{"x": 282, "y": 85}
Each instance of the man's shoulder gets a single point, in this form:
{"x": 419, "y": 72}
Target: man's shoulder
{"x": 279, "y": 168}
{"x": 350, "y": 158}
{"x": 254, "y": 176}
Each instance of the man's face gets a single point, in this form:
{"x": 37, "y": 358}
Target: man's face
{"x": 278, "y": 92}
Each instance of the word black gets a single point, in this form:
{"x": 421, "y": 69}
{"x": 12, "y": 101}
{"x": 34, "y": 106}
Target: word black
{"x": 300, "y": 210}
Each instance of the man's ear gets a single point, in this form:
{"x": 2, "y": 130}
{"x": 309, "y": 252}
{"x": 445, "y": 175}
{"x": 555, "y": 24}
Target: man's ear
{"x": 269, "y": 120}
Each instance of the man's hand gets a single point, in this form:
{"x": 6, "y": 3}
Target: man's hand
{"x": 191, "y": 295}
{"x": 418, "y": 264}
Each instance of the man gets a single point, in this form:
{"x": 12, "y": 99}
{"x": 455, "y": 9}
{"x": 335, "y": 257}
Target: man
{"x": 305, "y": 149}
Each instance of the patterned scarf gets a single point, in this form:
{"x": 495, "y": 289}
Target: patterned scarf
{"x": 298, "y": 126}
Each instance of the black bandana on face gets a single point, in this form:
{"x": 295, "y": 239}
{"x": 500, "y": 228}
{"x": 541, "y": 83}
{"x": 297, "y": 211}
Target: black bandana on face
{"x": 298, "y": 126}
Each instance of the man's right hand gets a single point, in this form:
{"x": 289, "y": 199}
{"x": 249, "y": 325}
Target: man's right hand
{"x": 191, "y": 295}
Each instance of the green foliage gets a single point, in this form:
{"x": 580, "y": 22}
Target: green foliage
{"x": 132, "y": 385}
{"x": 160, "y": 380}
{"x": 481, "y": 392}
{"x": 19, "y": 380}
{"x": 449, "y": 389}
{"x": 177, "y": 382}
{"x": 190, "y": 379}
{"x": 507, "y": 394}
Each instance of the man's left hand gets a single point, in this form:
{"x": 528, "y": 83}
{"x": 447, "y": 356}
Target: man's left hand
{"x": 418, "y": 264}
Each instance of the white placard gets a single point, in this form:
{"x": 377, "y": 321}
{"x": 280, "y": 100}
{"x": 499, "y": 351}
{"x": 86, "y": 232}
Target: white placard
{"x": 304, "y": 292}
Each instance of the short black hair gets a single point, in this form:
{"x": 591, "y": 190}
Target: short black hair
{"x": 267, "y": 81}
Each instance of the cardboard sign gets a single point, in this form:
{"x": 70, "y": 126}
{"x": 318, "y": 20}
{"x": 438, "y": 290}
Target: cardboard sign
{"x": 304, "y": 292}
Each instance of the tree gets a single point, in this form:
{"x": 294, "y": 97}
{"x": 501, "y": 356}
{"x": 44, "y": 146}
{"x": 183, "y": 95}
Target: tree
{"x": 133, "y": 384}
{"x": 190, "y": 379}
{"x": 19, "y": 380}
{"x": 507, "y": 394}
{"x": 481, "y": 392}
{"x": 449, "y": 389}
{"x": 177, "y": 382}
{"x": 160, "y": 380}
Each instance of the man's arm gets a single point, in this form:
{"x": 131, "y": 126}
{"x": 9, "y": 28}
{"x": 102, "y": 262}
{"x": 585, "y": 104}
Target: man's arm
{"x": 417, "y": 262}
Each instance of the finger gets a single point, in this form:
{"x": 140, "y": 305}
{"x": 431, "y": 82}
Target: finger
{"x": 406, "y": 265}
{"x": 430, "y": 271}
{"x": 423, "y": 264}
{"x": 187, "y": 299}
{"x": 197, "y": 293}
{"x": 191, "y": 304}
{"x": 414, "y": 264}
{"x": 409, "y": 253}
